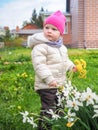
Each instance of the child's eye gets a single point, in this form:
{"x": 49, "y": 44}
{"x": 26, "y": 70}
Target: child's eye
{"x": 54, "y": 29}
{"x": 47, "y": 27}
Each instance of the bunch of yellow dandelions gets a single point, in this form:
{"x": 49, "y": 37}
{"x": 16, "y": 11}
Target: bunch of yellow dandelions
{"x": 81, "y": 67}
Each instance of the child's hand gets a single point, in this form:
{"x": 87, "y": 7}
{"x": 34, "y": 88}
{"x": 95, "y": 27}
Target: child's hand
{"x": 74, "y": 69}
{"x": 53, "y": 84}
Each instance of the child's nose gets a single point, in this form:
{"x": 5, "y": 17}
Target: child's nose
{"x": 49, "y": 30}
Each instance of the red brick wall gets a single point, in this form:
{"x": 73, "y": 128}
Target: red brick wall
{"x": 84, "y": 23}
{"x": 91, "y": 23}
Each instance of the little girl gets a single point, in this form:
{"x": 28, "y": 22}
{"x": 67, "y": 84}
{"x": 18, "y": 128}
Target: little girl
{"x": 50, "y": 61}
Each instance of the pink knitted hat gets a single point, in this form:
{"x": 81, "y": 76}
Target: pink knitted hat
{"x": 58, "y": 20}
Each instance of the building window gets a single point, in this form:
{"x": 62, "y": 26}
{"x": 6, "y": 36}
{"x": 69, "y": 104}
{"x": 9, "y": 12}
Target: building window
{"x": 68, "y": 6}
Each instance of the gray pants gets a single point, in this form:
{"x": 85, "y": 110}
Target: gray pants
{"x": 48, "y": 101}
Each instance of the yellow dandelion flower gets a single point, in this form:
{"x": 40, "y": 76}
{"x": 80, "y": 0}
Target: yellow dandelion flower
{"x": 77, "y": 62}
{"x": 19, "y": 107}
{"x": 82, "y": 73}
{"x": 83, "y": 63}
{"x": 79, "y": 67}
{"x": 24, "y": 75}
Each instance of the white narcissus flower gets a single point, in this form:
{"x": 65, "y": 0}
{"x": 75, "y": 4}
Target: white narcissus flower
{"x": 70, "y": 116}
{"x": 74, "y": 103}
{"x": 28, "y": 119}
{"x": 25, "y": 116}
{"x": 89, "y": 97}
{"x": 65, "y": 92}
{"x": 76, "y": 94}
{"x": 54, "y": 116}
{"x": 60, "y": 99}
{"x": 31, "y": 121}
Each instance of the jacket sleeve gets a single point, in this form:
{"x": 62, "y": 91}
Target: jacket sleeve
{"x": 69, "y": 63}
{"x": 39, "y": 60}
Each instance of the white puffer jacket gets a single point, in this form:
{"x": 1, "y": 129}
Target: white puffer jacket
{"x": 50, "y": 63}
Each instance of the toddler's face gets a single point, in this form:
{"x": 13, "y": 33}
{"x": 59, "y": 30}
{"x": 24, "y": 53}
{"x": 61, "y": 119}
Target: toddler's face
{"x": 51, "y": 32}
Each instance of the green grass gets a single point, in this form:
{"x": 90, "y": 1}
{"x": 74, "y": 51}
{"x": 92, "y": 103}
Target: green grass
{"x": 91, "y": 58}
{"x": 17, "y": 83}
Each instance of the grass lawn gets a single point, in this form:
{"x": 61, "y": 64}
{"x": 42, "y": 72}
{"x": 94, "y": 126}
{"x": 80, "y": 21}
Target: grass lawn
{"x": 91, "y": 58}
{"x": 17, "y": 81}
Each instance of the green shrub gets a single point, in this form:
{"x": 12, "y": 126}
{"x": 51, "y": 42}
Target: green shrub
{"x": 17, "y": 42}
